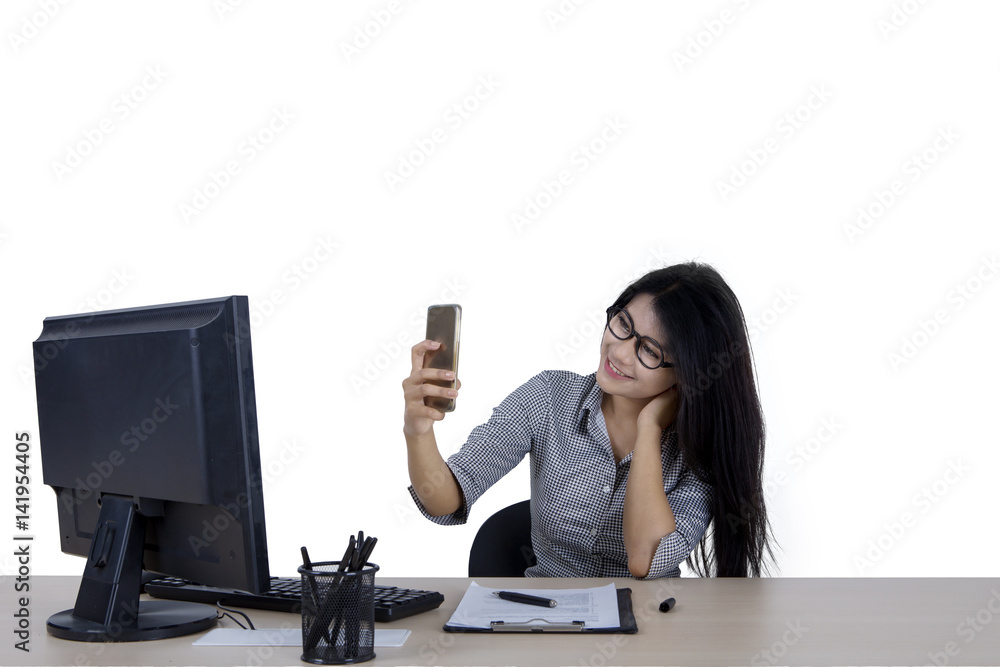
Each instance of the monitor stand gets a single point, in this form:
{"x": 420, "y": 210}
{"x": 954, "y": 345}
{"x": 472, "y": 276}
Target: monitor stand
{"x": 107, "y": 605}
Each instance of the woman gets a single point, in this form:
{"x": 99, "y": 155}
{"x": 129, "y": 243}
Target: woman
{"x": 631, "y": 464}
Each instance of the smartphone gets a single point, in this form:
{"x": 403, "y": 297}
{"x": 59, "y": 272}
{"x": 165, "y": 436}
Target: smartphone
{"x": 444, "y": 323}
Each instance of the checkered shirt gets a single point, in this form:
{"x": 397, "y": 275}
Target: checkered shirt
{"x": 577, "y": 489}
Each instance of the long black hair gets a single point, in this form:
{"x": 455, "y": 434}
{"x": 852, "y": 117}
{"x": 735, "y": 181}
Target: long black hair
{"x": 719, "y": 422}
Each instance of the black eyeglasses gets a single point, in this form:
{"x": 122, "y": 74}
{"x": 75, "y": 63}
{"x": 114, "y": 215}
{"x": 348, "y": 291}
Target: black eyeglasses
{"x": 648, "y": 351}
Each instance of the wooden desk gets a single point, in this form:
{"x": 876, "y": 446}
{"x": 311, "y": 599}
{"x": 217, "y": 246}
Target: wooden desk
{"x": 716, "y": 621}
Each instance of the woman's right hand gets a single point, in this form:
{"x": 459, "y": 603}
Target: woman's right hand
{"x": 418, "y": 418}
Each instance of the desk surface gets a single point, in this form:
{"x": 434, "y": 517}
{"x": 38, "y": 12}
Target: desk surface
{"x": 776, "y": 621}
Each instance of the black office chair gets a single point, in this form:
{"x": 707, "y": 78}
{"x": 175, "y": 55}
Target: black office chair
{"x": 502, "y": 547}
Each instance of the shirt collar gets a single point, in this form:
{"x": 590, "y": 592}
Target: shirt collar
{"x": 590, "y": 401}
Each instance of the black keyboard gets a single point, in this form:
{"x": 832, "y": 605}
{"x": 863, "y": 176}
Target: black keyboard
{"x": 391, "y": 603}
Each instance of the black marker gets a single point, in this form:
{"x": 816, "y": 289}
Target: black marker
{"x": 366, "y": 551}
{"x": 524, "y": 599}
{"x": 667, "y": 605}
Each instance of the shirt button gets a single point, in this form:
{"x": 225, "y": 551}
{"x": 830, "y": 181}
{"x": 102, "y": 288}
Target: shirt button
{"x": 607, "y": 488}
{"x": 594, "y": 532}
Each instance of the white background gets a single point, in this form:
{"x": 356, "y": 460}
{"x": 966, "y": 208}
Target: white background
{"x": 840, "y": 98}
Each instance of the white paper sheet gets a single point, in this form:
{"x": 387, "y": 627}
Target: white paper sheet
{"x": 596, "y": 607}
{"x": 284, "y": 637}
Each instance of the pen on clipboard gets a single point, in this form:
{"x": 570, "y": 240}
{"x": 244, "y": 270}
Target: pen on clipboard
{"x": 525, "y": 599}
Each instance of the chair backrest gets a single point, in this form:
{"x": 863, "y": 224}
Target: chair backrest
{"x": 502, "y": 547}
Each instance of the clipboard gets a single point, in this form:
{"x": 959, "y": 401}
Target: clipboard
{"x": 626, "y": 622}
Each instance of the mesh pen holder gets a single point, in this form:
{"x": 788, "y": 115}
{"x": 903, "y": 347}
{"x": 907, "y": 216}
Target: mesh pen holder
{"x": 338, "y": 614}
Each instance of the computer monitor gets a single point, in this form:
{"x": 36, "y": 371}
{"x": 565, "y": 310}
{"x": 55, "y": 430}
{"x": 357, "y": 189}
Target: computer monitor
{"x": 148, "y": 434}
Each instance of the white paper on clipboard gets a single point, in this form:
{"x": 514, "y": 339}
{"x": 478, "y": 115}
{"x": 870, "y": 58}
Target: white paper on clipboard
{"x": 596, "y": 607}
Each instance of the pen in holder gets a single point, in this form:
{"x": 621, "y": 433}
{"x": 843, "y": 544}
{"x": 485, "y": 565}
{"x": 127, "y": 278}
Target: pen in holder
{"x": 338, "y": 613}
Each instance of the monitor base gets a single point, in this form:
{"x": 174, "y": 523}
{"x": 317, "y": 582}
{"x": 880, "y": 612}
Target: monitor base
{"x": 157, "y": 619}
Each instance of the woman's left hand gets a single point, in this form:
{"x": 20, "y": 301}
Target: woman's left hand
{"x": 661, "y": 411}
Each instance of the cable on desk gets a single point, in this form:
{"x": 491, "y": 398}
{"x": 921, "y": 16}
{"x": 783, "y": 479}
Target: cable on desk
{"x": 220, "y": 615}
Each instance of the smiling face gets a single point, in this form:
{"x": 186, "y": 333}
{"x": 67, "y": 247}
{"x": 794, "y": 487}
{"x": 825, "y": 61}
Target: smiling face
{"x": 620, "y": 372}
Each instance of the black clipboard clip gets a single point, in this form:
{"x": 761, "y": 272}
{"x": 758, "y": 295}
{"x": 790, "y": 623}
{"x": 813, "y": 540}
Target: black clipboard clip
{"x": 537, "y": 625}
